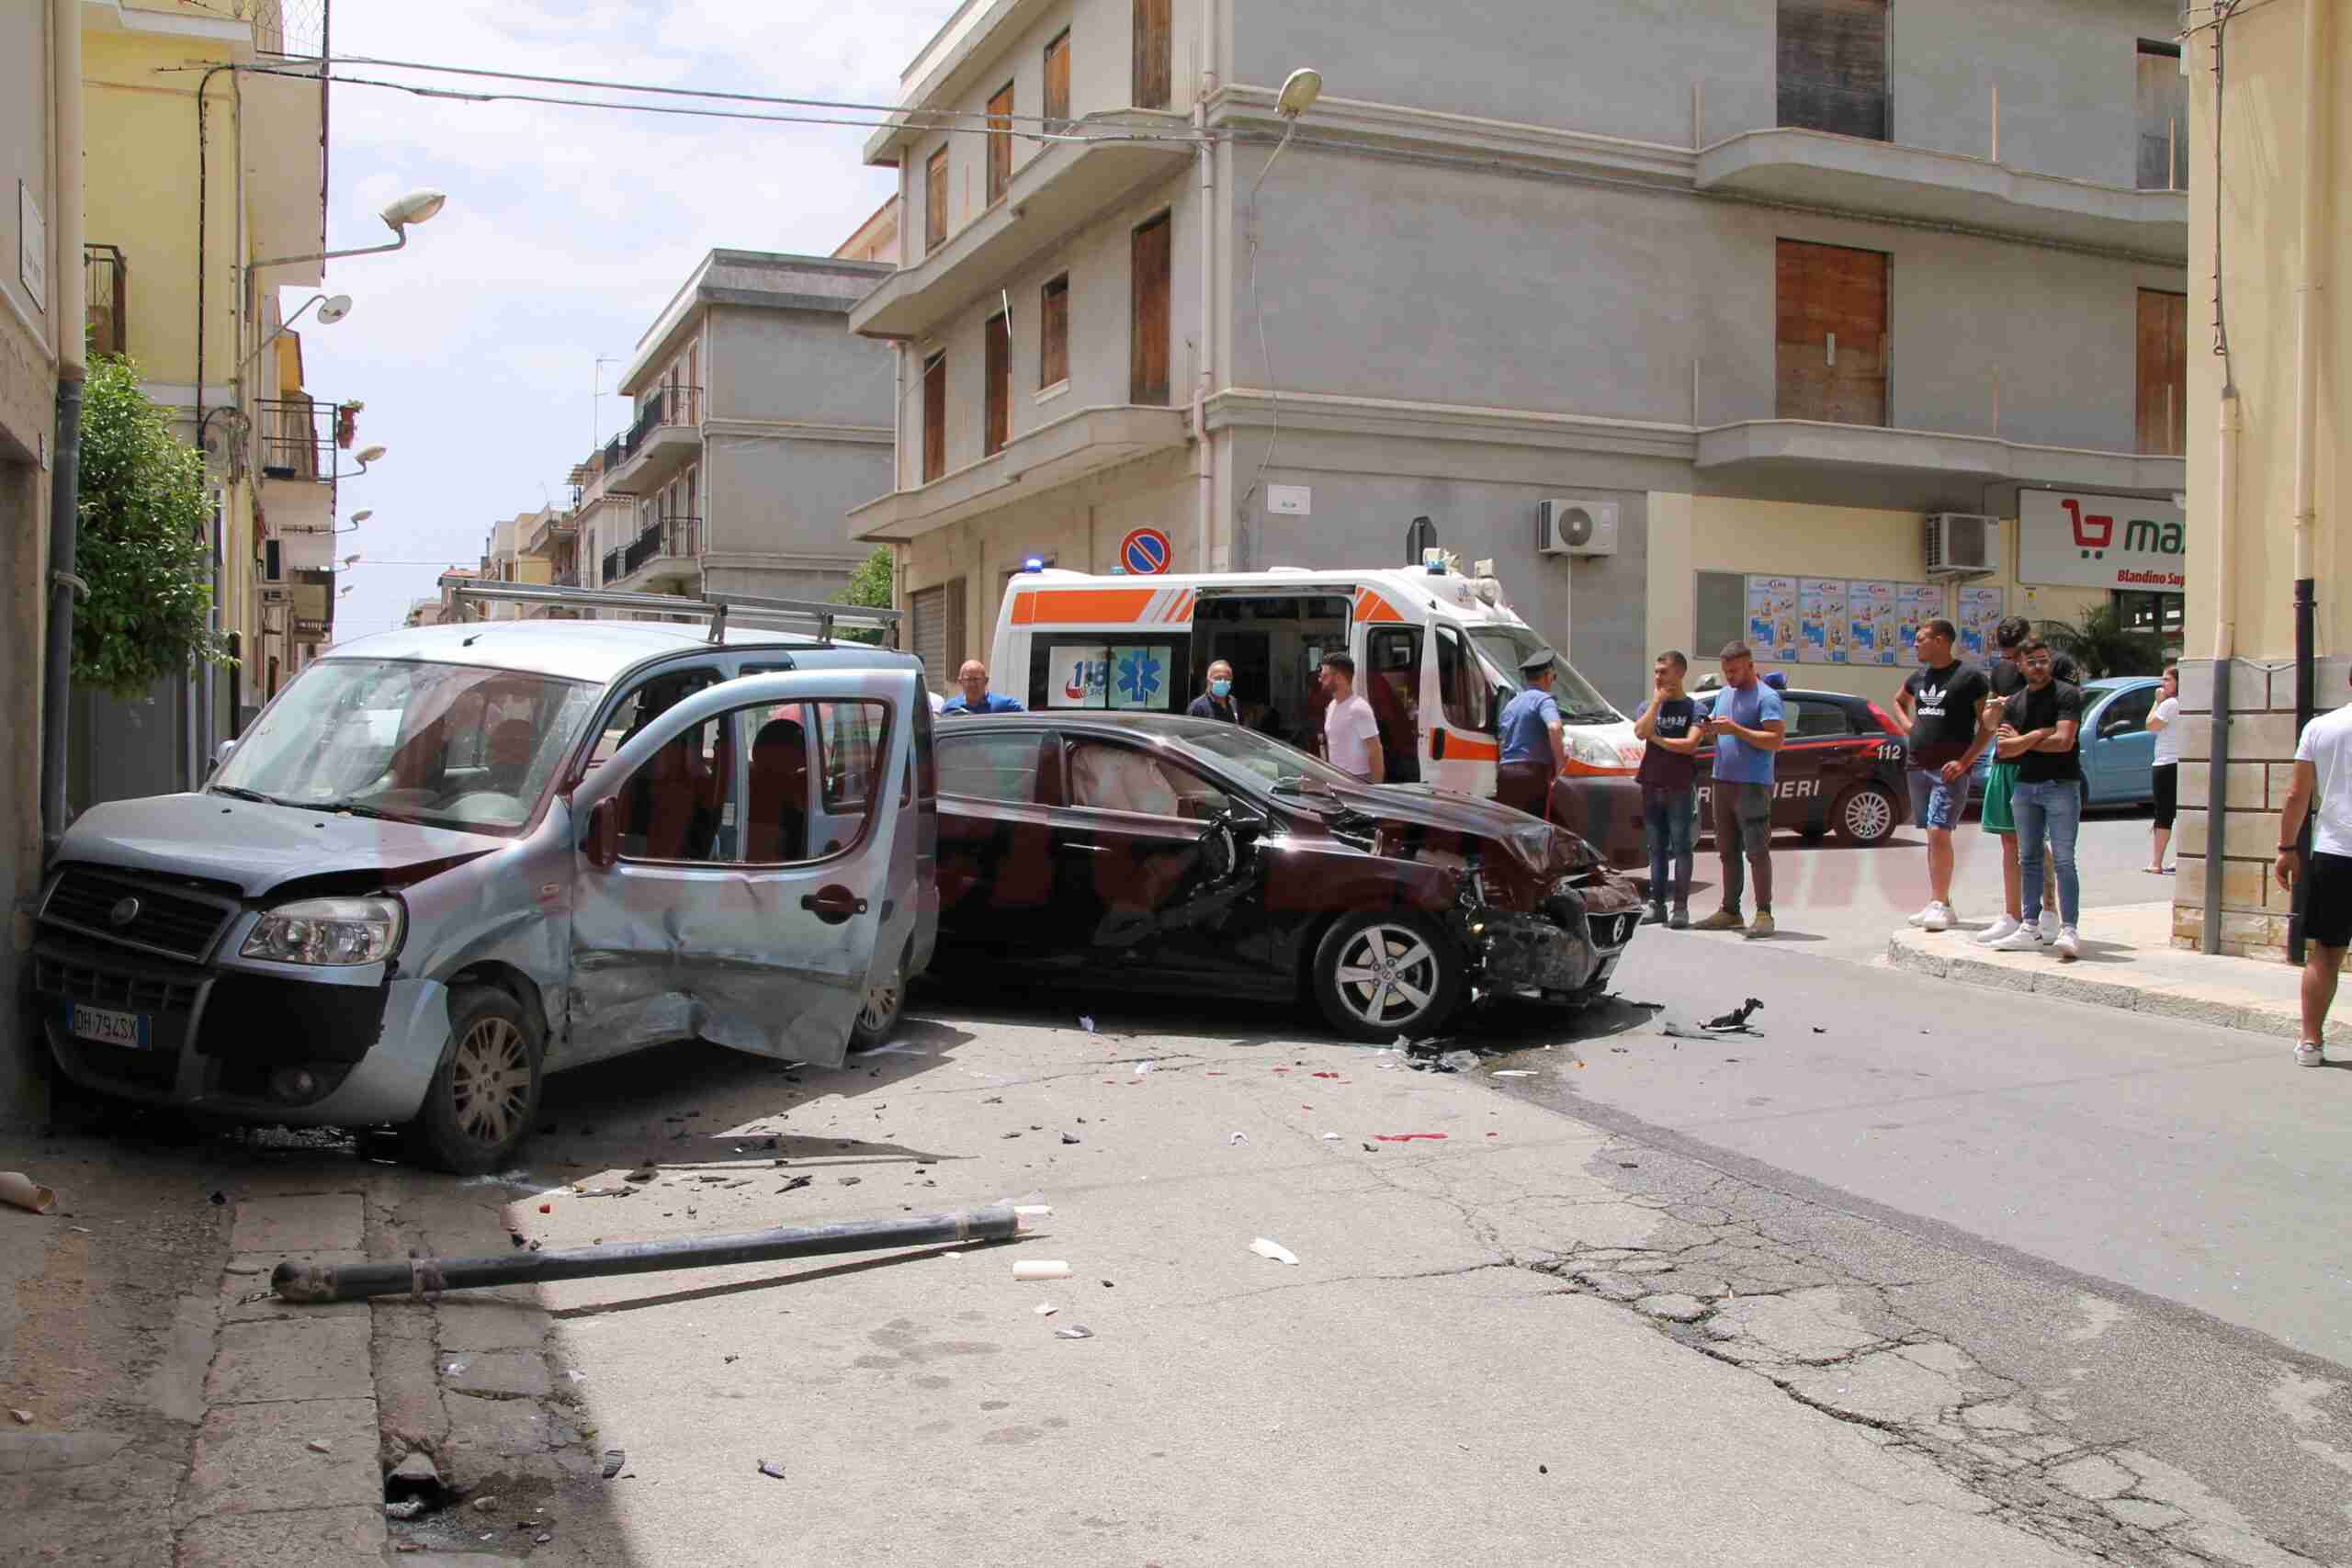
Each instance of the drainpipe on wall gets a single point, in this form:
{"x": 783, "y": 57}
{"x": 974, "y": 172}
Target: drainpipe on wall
{"x": 69, "y": 312}
{"x": 2316, "y": 104}
{"x": 1205, "y": 456}
{"x": 2226, "y": 634}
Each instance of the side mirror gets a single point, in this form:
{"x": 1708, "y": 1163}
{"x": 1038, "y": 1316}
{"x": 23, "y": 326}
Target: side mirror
{"x": 602, "y": 843}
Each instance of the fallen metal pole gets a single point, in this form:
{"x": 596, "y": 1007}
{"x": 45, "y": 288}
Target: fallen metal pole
{"x": 315, "y": 1282}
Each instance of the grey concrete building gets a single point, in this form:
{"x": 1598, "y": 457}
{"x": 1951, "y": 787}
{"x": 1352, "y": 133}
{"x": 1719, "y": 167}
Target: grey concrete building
{"x": 758, "y": 423}
{"x": 1766, "y": 283}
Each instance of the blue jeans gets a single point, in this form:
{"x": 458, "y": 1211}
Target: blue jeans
{"x": 2053, "y": 809}
{"x": 1671, "y": 821}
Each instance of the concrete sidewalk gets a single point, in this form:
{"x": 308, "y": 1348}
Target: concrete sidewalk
{"x": 2128, "y": 962}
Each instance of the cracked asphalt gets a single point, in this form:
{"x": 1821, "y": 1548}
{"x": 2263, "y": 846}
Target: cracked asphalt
{"x": 1594, "y": 1319}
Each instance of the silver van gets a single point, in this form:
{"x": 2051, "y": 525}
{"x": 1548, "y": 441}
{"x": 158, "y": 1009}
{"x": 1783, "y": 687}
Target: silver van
{"x": 448, "y": 861}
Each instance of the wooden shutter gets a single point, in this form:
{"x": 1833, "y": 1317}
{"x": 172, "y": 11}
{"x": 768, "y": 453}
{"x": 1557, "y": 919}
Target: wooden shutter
{"x": 934, "y": 201}
{"x": 999, "y": 368}
{"x": 1153, "y": 53}
{"x": 2163, "y": 106}
{"x": 1830, "y": 336}
{"x": 1000, "y": 142}
{"x": 1833, "y": 66}
{"x": 1057, "y": 83}
{"x": 928, "y": 609}
{"x": 2163, "y": 394}
{"x": 1147, "y": 376}
{"x": 1053, "y": 333}
{"x": 935, "y": 417}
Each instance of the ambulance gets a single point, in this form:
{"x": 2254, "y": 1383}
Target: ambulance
{"x": 1437, "y": 655}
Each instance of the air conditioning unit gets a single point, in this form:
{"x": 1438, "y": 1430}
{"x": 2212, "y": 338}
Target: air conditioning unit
{"x": 273, "y": 595}
{"x": 1961, "y": 544}
{"x": 1572, "y": 527}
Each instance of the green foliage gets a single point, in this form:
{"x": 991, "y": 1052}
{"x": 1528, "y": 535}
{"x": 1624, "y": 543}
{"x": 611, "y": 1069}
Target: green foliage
{"x": 141, "y": 545}
{"x": 2102, "y": 646}
{"x": 869, "y": 588}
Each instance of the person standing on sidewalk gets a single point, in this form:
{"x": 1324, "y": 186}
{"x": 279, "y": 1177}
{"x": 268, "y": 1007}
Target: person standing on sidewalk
{"x": 2164, "y": 720}
{"x": 2001, "y": 779}
{"x": 2039, "y": 733}
{"x": 1669, "y": 778}
{"x": 1351, "y": 732}
{"x": 1942, "y": 702}
{"x": 1747, "y": 725}
{"x": 1534, "y": 750}
{"x": 2322, "y": 767}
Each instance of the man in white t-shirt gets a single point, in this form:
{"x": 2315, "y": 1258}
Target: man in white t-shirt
{"x": 1351, "y": 731}
{"x": 2322, "y": 767}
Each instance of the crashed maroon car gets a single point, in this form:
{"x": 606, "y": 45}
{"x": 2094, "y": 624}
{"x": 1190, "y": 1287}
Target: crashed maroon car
{"x": 1143, "y": 851}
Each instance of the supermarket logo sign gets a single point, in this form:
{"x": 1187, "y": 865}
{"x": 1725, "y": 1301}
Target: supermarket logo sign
{"x": 2077, "y": 539}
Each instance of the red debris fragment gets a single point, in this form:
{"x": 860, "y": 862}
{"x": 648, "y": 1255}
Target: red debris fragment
{"x": 1404, "y": 1137}
{"x": 546, "y": 1208}
{"x": 1327, "y": 1075}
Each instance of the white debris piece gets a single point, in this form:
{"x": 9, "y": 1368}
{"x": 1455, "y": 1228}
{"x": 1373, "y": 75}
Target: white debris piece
{"x": 1041, "y": 1270}
{"x": 1033, "y": 1211}
{"x": 1511, "y": 1073}
{"x": 1143, "y": 1068}
{"x": 1238, "y": 1139}
{"x": 1086, "y": 1022}
{"x": 1045, "y": 1309}
{"x": 1275, "y": 1250}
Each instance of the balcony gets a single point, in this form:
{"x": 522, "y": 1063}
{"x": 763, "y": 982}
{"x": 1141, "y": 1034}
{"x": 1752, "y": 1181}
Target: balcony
{"x": 1062, "y": 189}
{"x": 1940, "y": 457}
{"x": 611, "y": 572}
{"x": 106, "y": 273}
{"x": 667, "y": 434}
{"x": 1071, "y": 448}
{"x": 666, "y": 552}
{"x": 297, "y": 442}
{"x": 1818, "y": 168}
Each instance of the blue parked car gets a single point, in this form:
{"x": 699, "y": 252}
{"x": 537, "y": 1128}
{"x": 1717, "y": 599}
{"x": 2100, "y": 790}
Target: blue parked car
{"x": 2119, "y": 749}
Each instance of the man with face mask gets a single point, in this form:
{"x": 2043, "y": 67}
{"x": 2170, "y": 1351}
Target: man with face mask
{"x": 1217, "y": 701}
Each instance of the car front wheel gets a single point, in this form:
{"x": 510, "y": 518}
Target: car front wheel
{"x": 1377, "y": 976}
{"x": 478, "y": 1107}
{"x": 1866, "y": 816}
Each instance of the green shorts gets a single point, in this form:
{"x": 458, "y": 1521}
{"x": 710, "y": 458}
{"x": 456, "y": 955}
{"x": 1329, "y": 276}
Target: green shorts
{"x": 1999, "y": 784}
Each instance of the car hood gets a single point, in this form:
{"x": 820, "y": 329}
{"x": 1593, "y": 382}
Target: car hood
{"x": 1542, "y": 852}
{"x": 253, "y": 846}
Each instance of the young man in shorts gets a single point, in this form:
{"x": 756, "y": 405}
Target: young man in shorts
{"x": 2000, "y": 785}
{"x": 2322, "y": 767}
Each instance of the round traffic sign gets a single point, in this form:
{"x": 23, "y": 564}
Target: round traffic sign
{"x": 1145, "y": 552}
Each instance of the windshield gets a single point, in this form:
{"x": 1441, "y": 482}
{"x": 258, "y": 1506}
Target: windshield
{"x": 1269, "y": 762}
{"x": 1505, "y": 647}
{"x": 444, "y": 745}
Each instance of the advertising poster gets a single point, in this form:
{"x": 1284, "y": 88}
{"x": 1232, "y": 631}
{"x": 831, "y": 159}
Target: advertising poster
{"x": 1981, "y": 610}
{"x": 1772, "y": 619}
{"x": 1821, "y": 630}
{"x": 2082, "y": 540}
{"x": 1078, "y": 675}
{"x": 1915, "y": 604}
{"x": 1140, "y": 676}
{"x": 1870, "y": 615}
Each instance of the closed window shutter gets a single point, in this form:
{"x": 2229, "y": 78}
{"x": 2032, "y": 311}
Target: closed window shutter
{"x": 1000, "y": 142}
{"x": 1830, "y": 333}
{"x": 930, "y": 613}
{"x": 934, "y": 201}
{"x": 1153, "y": 53}
{"x": 2163, "y": 104}
{"x": 1148, "y": 380}
{"x": 999, "y": 368}
{"x": 1832, "y": 62}
{"x": 935, "y": 417}
{"x": 1053, "y": 333}
{"x": 1058, "y": 84}
{"x": 2163, "y": 391}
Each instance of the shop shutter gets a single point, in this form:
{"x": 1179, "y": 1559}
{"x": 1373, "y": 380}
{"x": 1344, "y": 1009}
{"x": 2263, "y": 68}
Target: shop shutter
{"x": 1053, "y": 333}
{"x": 997, "y": 337}
{"x": 929, "y": 615}
{"x": 1147, "y": 378}
{"x": 934, "y": 201}
{"x": 2163, "y": 394}
{"x": 1057, "y": 83}
{"x": 1833, "y": 66}
{"x": 1000, "y": 142}
{"x": 935, "y": 417}
{"x": 1830, "y": 336}
{"x": 1153, "y": 53}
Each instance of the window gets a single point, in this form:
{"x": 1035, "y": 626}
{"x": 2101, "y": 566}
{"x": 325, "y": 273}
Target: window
{"x": 1722, "y": 604}
{"x": 935, "y": 417}
{"x": 2163, "y": 397}
{"x": 1830, "y": 336}
{"x": 938, "y": 637}
{"x": 1053, "y": 333}
{"x": 1460, "y": 685}
{"x": 1120, "y": 778}
{"x": 1393, "y": 655}
{"x": 1076, "y": 672}
{"x": 989, "y": 767}
{"x": 2159, "y": 615}
{"x": 2164, "y": 117}
{"x": 680, "y": 805}
{"x": 2127, "y": 715}
{"x": 654, "y": 696}
{"x": 849, "y": 753}
{"x": 1813, "y": 721}
{"x": 1000, "y": 142}
{"x": 1832, "y": 61}
{"x": 1147, "y": 363}
{"x": 934, "y": 201}
{"x": 1058, "y": 84}
{"x": 1154, "y": 35}
{"x": 998, "y": 421}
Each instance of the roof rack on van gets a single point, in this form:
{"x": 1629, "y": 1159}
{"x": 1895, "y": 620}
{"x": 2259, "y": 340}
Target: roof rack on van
{"x": 799, "y": 614}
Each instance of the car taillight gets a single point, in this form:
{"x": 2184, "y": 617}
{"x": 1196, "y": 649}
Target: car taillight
{"x": 1886, "y": 722}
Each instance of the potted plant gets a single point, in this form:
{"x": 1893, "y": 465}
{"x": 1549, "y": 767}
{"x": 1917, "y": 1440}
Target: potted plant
{"x": 346, "y": 422}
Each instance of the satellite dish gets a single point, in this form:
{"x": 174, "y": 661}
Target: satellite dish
{"x": 337, "y": 308}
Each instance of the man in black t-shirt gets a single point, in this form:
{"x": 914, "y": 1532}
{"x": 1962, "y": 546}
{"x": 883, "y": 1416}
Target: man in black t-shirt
{"x": 2038, "y": 732}
{"x": 1669, "y": 783}
{"x": 1942, "y": 702}
{"x": 2008, "y": 681}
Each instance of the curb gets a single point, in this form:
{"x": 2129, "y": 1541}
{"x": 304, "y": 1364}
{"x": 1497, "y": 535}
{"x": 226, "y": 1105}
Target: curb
{"x": 2193, "y": 1004}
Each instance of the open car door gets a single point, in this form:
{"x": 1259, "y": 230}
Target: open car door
{"x": 746, "y": 867}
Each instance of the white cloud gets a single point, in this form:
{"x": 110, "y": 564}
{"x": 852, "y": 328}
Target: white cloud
{"x": 566, "y": 232}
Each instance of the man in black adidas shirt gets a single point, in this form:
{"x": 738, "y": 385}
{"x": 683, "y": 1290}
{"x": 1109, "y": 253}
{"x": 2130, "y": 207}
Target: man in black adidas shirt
{"x": 1944, "y": 703}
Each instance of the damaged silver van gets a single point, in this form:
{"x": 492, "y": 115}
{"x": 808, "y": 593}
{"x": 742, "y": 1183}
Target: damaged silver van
{"x": 446, "y": 861}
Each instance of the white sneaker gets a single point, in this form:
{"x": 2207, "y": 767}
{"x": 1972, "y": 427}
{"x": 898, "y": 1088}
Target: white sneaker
{"x": 2069, "y": 944}
{"x": 2050, "y": 927}
{"x": 1998, "y": 931}
{"x": 1924, "y": 916}
{"x": 2025, "y": 939}
{"x": 2308, "y": 1055}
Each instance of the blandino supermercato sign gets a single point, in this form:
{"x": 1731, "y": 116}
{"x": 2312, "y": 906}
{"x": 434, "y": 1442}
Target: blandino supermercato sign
{"x": 2081, "y": 540}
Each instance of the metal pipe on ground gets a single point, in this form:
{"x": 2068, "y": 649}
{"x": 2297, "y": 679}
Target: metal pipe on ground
{"x": 312, "y": 1283}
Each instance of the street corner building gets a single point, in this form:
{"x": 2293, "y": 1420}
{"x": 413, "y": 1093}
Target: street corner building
{"x": 1775, "y": 320}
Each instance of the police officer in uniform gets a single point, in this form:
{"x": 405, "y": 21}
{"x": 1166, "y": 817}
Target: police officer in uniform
{"x": 1533, "y": 752}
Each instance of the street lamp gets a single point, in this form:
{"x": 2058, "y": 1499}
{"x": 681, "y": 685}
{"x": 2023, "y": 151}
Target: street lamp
{"x": 1300, "y": 89}
{"x": 333, "y": 307}
{"x": 364, "y": 513}
{"x": 416, "y": 207}
{"x": 347, "y": 561}
{"x": 366, "y": 455}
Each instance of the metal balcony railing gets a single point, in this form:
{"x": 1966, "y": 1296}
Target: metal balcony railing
{"x": 678, "y": 539}
{"x": 297, "y": 437}
{"x": 107, "y": 275}
{"x": 665, "y": 405}
{"x": 612, "y": 568}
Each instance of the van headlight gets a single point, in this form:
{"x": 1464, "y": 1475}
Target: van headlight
{"x": 1593, "y": 754}
{"x": 329, "y": 931}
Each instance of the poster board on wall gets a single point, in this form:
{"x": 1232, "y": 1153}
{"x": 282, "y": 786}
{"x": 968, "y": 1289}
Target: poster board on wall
{"x": 1981, "y": 609}
{"x": 1836, "y": 620}
{"x": 1772, "y": 619}
{"x": 1821, "y": 628}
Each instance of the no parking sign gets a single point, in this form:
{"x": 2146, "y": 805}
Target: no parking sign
{"x": 1145, "y": 552}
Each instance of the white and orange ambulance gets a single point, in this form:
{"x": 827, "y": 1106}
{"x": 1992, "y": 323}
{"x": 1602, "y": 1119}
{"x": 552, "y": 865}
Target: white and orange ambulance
{"x": 1437, "y": 654}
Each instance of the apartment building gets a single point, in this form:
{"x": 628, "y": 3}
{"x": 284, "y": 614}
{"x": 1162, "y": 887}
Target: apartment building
{"x": 876, "y": 239}
{"x": 1689, "y": 316}
{"x": 757, "y": 424}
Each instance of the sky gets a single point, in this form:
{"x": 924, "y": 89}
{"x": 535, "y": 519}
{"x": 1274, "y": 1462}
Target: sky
{"x": 566, "y": 232}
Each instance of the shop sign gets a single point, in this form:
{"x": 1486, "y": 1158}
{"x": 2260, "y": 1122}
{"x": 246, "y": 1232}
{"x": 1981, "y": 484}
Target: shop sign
{"x": 2076, "y": 539}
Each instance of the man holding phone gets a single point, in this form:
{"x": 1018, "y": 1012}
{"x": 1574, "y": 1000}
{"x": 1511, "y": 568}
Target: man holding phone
{"x": 1747, "y": 725}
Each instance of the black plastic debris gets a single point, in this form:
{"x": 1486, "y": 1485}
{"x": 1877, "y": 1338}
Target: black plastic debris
{"x": 794, "y": 1183}
{"x": 220, "y": 1199}
{"x": 1070, "y": 1137}
{"x": 852, "y": 1180}
{"x": 1739, "y": 1016}
{"x": 614, "y": 1459}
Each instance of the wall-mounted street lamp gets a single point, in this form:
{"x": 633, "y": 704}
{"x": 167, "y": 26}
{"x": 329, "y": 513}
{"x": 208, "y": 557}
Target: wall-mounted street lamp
{"x": 416, "y": 207}
{"x": 333, "y": 307}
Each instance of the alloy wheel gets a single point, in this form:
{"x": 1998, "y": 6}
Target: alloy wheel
{"x": 490, "y": 1082}
{"x": 1868, "y": 816}
{"x": 881, "y": 1006}
{"x": 1387, "y": 975}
